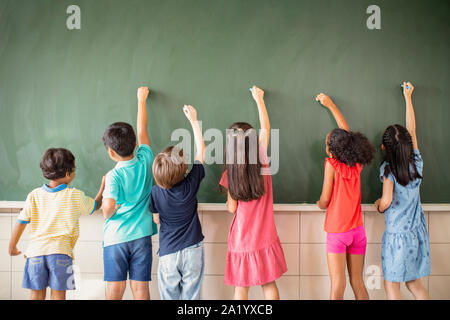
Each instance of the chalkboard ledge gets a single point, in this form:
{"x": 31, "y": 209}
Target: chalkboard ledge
{"x": 14, "y": 206}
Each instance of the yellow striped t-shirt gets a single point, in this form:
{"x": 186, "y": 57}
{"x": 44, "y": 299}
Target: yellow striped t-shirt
{"x": 52, "y": 215}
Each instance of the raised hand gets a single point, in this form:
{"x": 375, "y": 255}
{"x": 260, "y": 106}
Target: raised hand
{"x": 142, "y": 93}
{"x": 257, "y": 93}
{"x": 408, "y": 89}
{"x": 325, "y": 100}
{"x": 190, "y": 113}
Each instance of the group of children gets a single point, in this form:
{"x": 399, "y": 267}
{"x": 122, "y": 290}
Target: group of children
{"x": 132, "y": 207}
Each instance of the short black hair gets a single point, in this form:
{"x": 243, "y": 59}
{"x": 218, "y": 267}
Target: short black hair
{"x": 121, "y": 138}
{"x": 56, "y": 162}
{"x": 350, "y": 147}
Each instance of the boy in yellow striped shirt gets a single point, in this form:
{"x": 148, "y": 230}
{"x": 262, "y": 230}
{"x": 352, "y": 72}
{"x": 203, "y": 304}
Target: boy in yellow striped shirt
{"x": 53, "y": 212}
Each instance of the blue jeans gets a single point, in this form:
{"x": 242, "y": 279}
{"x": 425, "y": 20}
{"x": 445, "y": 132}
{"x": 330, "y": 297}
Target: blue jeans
{"x": 54, "y": 271}
{"x": 180, "y": 274}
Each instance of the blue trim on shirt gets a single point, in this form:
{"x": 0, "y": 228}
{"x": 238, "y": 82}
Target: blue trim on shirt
{"x": 56, "y": 189}
{"x": 95, "y": 207}
{"x": 23, "y": 221}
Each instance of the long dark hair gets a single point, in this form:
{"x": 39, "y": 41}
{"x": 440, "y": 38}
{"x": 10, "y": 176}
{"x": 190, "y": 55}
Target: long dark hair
{"x": 400, "y": 154}
{"x": 350, "y": 147}
{"x": 242, "y": 163}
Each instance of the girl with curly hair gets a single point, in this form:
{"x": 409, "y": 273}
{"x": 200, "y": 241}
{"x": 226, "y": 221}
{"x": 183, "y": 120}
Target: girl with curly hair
{"x": 405, "y": 250}
{"x": 347, "y": 153}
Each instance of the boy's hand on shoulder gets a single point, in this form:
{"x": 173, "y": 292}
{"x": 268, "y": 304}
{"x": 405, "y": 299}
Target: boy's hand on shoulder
{"x": 257, "y": 93}
{"x": 142, "y": 93}
{"x": 324, "y": 100}
{"x": 190, "y": 113}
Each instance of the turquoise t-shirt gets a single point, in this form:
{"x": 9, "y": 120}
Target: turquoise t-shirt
{"x": 130, "y": 184}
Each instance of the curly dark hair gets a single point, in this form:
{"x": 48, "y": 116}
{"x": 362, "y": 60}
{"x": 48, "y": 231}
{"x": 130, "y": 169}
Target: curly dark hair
{"x": 56, "y": 162}
{"x": 350, "y": 147}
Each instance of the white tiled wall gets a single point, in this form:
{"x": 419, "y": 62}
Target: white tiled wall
{"x": 302, "y": 238}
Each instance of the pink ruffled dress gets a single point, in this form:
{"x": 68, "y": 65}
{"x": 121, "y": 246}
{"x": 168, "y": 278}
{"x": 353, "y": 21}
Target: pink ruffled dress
{"x": 255, "y": 256}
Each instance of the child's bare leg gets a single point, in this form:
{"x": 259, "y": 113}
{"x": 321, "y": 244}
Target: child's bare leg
{"x": 140, "y": 290}
{"x": 270, "y": 291}
{"x": 115, "y": 290}
{"x": 336, "y": 268}
{"x": 58, "y": 295}
{"x": 418, "y": 290}
{"x": 392, "y": 290}
{"x": 241, "y": 293}
{"x": 355, "y": 265}
{"x": 38, "y": 294}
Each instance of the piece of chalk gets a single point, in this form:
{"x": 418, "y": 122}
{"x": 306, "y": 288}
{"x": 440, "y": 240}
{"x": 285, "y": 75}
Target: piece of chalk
{"x": 250, "y": 89}
{"x": 407, "y": 87}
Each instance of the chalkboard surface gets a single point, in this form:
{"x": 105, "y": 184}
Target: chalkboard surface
{"x": 61, "y": 87}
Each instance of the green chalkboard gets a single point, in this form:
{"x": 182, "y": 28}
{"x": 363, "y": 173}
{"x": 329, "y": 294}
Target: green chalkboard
{"x": 61, "y": 88}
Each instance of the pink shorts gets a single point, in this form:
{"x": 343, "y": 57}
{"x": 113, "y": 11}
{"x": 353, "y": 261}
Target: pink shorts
{"x": 351, "y": 242}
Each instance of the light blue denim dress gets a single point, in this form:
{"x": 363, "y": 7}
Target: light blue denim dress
{"x": 405, "y": 252}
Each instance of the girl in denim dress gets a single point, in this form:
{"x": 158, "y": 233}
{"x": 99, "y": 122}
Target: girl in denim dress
{"x": 405, "y": 253}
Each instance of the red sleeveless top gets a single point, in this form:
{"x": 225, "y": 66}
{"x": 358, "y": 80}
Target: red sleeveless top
{"x": 344, "y": 210}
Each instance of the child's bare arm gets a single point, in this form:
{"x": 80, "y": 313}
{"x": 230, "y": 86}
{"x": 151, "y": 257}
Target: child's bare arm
{"x": 338, "y": 116}
{"x": 142, "y": 130}
{"x": 109, "y": 208}
{"x": 408, "y": 89}
{"x": 231, "y": 204}
{"x": 191, "y": 114}
{"x": 264, "y": 136}
{"x": 327, "y": 187}
{"x": 15, "y": 236}
{"x": 385, "y": 201}
{"x": 99, "y": 196}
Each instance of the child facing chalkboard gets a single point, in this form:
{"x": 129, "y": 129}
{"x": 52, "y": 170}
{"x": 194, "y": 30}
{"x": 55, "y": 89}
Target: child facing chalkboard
{"x": 127, "y": 244}
{"x": 52, "y": 213}
{"x": 255, "y": 256}
{"x": 341, "y": 195}
{"x": 405, "y": 251}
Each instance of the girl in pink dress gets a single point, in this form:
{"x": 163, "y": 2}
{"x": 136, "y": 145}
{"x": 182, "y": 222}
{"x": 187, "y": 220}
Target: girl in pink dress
{"x": 255, "y": 256}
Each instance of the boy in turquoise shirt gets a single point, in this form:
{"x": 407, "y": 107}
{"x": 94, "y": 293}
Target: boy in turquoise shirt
{"x": 127, "y": 245}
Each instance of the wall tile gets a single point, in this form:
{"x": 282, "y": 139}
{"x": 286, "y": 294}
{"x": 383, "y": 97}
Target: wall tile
{"x": 89, "y": 286}
{"x": 89, "y": 257}
{"x": 440, "y": 287}
{"x": 213, "y": 288}
{"x": 17, "y": 292}
{"x": 439, "y": 226}
{"x": 374, "y": 226}
{"x": 5, "y": 227}
{"x": 216, "y": 225}
{"x": 311, "y": 227}
{"x": 440, "y": 259}
{"x": 5, "y": 287}
{"x": 215, "y": 258}
{"x": 292, "y": 256}
{"x": 5, "y": 258}
{"x": 313, "y": 259}
{"x": 288, "y": 226}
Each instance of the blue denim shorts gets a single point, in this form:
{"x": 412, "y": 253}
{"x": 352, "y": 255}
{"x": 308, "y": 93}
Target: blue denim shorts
{"x": 133, "y": 257}
{"x": 54, "y": 271}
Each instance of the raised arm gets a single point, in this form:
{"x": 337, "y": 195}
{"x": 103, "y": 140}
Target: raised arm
{"x": 264, "y": 136}
{"x": 191, "y": 114}
{"x": 338, "y": 116}
{"x": 408, "y": 89}
{"x": 142, "y": 131}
